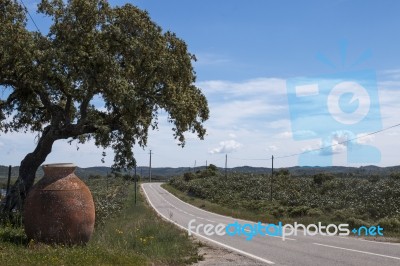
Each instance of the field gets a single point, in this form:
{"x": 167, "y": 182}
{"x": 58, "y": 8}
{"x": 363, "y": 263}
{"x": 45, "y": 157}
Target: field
{"x": 125, "y": 234}
{"x": 307, "y": 199}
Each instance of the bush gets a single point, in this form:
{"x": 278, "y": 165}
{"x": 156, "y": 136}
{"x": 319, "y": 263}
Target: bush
{"x": 128, "y": 177}
{"x": 188, "y": 176}
{"x": 392, "y": 224}
{"x": 278, "y": 212}
{"x": 341, "y": 215}
{"x": 338, "y": 198}
{"x": 355, "y": 222}
{"x": 320, "y": 178}
{"x": 298, "y": 211}
{"x": 95, "y": 176}
{"x": 212, "y": 168}
{"x": 395, "y": 175}
{"x": 315, "y": 212}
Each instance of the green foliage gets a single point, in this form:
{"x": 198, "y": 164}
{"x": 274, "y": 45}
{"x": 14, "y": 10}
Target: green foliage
{"x": 395, "y": 176}
{"x": 355, "y": 222}
{"x": 188, "y": 176}
{"x": 283, "y": 173}
{"x": 392, "y": 224}
{"x": 95, "y": 176}
{"x": 109, "y": 195}
{"x": 125, "y": 234}
{"x": 208, "y": 172}
{"x": 298, "y": 211}
{"x": 345, "y": 199}
{"x": 315, "y": 212}
{"x": 321, "y": 178}
{"x": 212, "y": 168}
{"x": 114, "y": 55}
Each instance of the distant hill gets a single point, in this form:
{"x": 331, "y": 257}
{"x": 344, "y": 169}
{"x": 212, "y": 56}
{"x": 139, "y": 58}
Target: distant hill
{"x": 170, "y": 171}
{"x": 103, "y": 171}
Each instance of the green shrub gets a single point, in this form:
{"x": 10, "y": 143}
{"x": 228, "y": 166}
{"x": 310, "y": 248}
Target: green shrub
{"x": 341, "y": 215}
{"x": 298, "y": 196}
{"x": 355, "y": 222}
{"x": 395, "y": 175}
{"x": 188, "y": 176}
{"x": 315, "y": 212}
{"x": 278, "y": 212}
{"x": 298, "y": 211}
{"x": 320, "y": 178}
{"x": 212, "y": 168}
{"x": 392, "y": 224}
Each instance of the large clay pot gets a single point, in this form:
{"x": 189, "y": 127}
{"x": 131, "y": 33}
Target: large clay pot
{"x": 59, "y": 208}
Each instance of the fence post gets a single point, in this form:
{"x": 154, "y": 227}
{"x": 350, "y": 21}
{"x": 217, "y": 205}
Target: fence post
{"x": 8, "y": 181}
{"x": 272, "y": 178}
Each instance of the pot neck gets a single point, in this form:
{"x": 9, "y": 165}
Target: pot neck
{"x": 58, "y": 170}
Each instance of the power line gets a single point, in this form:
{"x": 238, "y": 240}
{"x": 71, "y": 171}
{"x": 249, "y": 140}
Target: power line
{"x": 339, "y": 143}
{"x": 247, "y": 159}
{"x": 317, "y": 149}
{"x": 29, "y": 14}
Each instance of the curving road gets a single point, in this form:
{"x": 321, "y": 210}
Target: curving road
{"x": 294, "y": 250}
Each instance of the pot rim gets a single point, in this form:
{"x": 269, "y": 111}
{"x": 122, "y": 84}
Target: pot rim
{"x": 59, "y": 165}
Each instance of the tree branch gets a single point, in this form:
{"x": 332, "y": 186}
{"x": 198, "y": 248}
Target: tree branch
{"x": 68, "y": 110}
{"x": 84, "y": 106}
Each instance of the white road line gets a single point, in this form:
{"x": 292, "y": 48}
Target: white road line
{"x": 236, "y": 219}
{"x": 250, "y": 222}
{"x": 209, "y": 239}
{"x": 286, "y": 238}
{"x": 359, "y": 251}
{"x": 372, "y": 241}
{"x": 224, "y": 216}
{"x": 179, "y": 209}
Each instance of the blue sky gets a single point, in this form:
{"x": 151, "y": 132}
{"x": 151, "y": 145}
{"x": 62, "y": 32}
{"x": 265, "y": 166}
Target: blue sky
{"x": 247, "y": 52}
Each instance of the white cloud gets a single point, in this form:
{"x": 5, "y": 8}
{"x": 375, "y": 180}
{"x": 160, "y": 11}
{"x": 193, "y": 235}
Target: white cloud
{"x": 279, "y": 124}
{"x": 259, "y": 86}
{"x": 232, "y": 135}
{"x": 310, "y": 148}
{"x": 246, "y": 112}
{"x": 236, "y": 112}
{"x": 304, "y": 134}
{"x": 227, "y": 146}
{"x": 285, "y": 135}
{"x": 207, "y": 59}
{"x": 364, "y": 138}
{"x": 272, "y": 148}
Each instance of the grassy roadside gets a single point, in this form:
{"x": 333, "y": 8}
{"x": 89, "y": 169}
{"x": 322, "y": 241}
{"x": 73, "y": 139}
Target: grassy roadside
{"x": 252, "y": 215}
{"x": 214, "y": 207}
{"x": 236, "y": 212}
{"x": 125, "y": 234}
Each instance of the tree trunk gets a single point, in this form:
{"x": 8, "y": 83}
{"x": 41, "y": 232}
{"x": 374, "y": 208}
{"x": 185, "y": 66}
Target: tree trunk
{"x": 27, "y": 171}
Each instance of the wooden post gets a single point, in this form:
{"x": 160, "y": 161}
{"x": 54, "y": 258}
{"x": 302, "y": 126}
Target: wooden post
{"x": 135, "y": 178}
{"x": 272, "y": 178}
{"x": 8, "y": 181}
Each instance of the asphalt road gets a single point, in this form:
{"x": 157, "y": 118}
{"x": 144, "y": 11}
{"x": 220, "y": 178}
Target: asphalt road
{"x": 294, "y": 250}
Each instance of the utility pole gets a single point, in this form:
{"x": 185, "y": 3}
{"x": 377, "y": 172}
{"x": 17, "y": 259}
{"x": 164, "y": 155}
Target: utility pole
{"x": 272, "y": 176}
{"x": 226, "y": 165}
{"x": 8, "y": 180}
{"x": 150, "y": 167}
{"x": 135, "y": 178}
{"x": 206, "y": 164}
{"x": 194, "y": 169}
